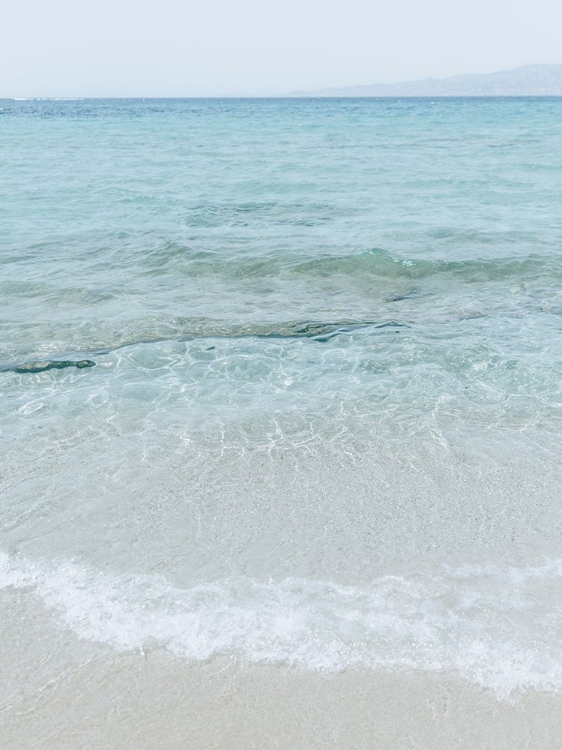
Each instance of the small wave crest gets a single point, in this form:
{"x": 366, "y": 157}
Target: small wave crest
{"x": 495, "y": 626}
{"x": 376, "y": 262}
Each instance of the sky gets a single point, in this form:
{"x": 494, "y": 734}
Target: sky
{"x": 259, "y": 47}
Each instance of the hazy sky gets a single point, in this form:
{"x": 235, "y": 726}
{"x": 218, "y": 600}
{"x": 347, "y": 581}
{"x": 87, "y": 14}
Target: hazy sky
{"x": 223, "y": 47}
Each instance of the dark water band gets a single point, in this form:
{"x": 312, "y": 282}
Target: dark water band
{"x": 48, "y": 364}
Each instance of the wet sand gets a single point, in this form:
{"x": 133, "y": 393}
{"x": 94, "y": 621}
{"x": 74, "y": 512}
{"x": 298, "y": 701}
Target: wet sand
{"x": 74, "y": 694}
{"x": 157, "y": 702}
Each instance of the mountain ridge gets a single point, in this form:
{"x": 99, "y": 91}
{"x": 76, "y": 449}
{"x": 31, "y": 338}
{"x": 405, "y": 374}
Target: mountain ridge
{"x": 526, "y": 80}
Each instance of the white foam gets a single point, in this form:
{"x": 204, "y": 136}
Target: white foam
{"x": 496, "y": 626}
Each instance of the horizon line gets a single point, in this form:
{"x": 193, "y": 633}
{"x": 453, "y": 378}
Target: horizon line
{"x": 295, "y": 96}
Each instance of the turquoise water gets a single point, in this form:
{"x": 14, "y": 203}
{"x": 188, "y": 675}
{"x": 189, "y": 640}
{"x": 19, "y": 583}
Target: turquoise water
{"x": 327, "y": 346}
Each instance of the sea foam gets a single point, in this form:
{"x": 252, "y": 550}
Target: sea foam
{"x": 495, "y": 626}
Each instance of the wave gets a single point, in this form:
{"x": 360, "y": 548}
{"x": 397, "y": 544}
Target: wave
{"x": 374, "y": 263}
{"x": 384, "y": 264}
{"x": 496, "y": 626}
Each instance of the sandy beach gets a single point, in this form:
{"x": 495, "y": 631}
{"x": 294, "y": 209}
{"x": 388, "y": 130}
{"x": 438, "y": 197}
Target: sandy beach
{"x": 138, "y": 702}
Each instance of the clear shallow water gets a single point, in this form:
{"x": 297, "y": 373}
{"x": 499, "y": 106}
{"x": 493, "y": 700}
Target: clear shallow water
{"x": 327, "y": 346}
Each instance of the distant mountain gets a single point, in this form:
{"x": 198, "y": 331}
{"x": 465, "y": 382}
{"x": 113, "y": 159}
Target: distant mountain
{"x": 529, "y": 80}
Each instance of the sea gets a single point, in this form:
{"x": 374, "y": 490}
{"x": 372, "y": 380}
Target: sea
{"x": 281, "y": 423}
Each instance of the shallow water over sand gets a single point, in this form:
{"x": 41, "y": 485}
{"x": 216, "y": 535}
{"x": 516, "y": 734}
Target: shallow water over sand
{"x": 321, "y": 425}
